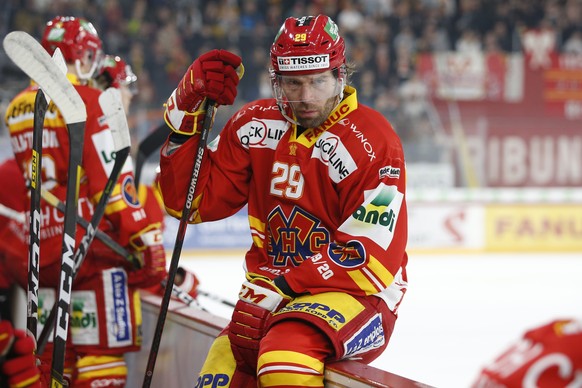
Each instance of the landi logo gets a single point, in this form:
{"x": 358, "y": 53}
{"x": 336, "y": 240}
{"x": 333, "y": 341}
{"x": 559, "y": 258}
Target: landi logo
{"x": 378, "y": 211}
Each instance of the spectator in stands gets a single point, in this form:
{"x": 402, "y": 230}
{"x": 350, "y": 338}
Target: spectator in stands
{"x": 574, "y": 44}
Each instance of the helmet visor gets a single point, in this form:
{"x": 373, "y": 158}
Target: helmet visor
{"x": 307, "y": 88}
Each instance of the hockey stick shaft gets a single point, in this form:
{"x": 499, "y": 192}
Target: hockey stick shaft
{"x": 76, "y": 138}
{"x": 215, "y": 298}
{"x": 208, "y": 120}
{"x": 152, "y": 142}
{"x": 40, "y": 107}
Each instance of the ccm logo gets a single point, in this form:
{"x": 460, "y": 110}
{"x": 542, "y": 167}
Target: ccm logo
{"x": 249, "y": 294}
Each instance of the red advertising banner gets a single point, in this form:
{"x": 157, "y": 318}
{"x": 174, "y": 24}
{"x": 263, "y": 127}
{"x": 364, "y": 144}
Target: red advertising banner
{"x": 518, "y": 125}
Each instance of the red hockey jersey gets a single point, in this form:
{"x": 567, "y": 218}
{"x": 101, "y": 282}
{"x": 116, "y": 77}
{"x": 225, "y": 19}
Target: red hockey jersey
{"x": 326, "y": 207}
{"x": 124, "y": 215}
{"x": 549, "y": 356}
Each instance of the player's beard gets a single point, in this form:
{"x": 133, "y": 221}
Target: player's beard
{"x": 313, "y": 120}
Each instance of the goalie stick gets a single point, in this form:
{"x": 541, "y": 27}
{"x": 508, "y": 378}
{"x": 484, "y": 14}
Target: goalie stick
{"x": 33, "y": 59}
{"x": 208, "y": 121}
{"x": 150, "y": 144}
{"x": 110, "y": 102}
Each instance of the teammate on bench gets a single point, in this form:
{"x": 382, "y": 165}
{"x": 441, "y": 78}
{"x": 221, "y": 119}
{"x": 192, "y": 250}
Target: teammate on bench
{"x": 546, "y": 356}
{"x": 105, "y": 282}
{"x": 115, "y": 72}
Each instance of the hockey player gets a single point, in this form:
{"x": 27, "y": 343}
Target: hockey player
{"x": 12, "y": 226}
{"x": 105, "y": 282}
{"x": 115, "y": 72}
{"x": 324, "y": 180}
{"x": 547, "y": 356}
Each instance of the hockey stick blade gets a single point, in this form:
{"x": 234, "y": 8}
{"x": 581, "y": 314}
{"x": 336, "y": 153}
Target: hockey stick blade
{"x": 111, "y": 105}
{"x": 61, "y": 64}
{"x": 33, "y": 59}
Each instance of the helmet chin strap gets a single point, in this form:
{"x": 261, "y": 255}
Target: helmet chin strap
{"x": 85, "y": 76}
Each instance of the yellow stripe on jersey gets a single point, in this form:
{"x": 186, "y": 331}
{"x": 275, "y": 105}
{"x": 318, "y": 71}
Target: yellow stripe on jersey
{"x": 373, "y": 278}
{"x": 255, "y": 223}
{"x": 382, "y": 274}
{"x": 98, "y": 366}
{"x": 257, "y": 231}
{"x": 286, "y": 368}
{"x": 363, "y": 282}
{"x": 25, "y": 383}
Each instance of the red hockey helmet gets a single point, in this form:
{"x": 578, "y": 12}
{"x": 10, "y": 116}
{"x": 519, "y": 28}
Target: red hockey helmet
{"x": 307, "y": 45}
{"x": 116, "y": 71}
{"x": 75, "y": 37}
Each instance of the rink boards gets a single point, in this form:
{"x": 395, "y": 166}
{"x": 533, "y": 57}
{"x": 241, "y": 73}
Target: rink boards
{"x": 188, "y": 334}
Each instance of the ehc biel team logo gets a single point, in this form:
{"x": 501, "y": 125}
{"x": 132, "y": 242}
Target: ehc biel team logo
{"x": 293, "y": 239}
{"x": 129, "y": 191}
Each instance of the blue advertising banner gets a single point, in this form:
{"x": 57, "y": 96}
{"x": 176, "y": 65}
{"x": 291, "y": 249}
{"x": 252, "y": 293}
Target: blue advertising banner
{"x": 232, "y": 232}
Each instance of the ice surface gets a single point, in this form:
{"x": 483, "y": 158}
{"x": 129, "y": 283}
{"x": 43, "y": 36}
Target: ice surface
{"x": 460, "y": 311}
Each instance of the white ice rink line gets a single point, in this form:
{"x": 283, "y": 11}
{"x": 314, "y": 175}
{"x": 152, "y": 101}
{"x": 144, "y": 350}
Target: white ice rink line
{"x": 459, "y": 312}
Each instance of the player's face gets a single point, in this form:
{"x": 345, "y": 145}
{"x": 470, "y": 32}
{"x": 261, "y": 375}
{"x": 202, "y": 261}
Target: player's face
{"x": 312, "y": 97}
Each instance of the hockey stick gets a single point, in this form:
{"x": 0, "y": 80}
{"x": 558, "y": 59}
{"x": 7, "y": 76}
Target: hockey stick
{"x": 183, "y": 296}
{"x": 215, "y": 298}
{"x": 40, "y": 107}
{"x": 33, "y": 59}
{"x": 99, "y": 234}
{"x": 208, "y": 120}
{"x": 152, "y": 142}
{"x": 110, "y": 102}
{"x": 12, "y": 214}
{"x": 41, "y": 103}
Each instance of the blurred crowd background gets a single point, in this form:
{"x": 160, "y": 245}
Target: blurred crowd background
{"x": 160, "y": 38}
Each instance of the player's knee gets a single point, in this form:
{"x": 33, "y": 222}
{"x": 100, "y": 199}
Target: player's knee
{"x": 101, "y": 371}
{"x": 289, "y": 368}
